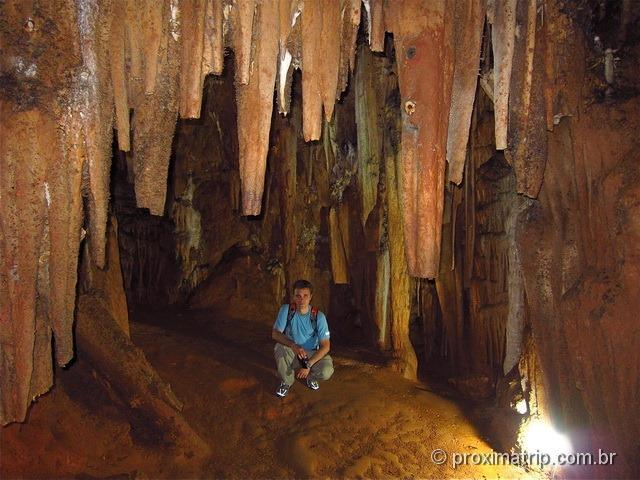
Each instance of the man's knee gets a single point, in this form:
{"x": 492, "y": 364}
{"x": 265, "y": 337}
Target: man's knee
{"x": 282, "y": 351}
{"x": 326, "y": 371}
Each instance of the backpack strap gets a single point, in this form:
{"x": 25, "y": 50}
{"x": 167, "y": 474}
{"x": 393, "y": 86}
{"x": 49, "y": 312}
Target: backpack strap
{"x": 292, "y": 311}
{"x": 314, "y": 320}
{"x": 290, "y": 314}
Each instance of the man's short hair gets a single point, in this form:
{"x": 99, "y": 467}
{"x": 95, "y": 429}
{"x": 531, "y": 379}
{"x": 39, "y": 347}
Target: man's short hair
{"x": 298, "y": 284}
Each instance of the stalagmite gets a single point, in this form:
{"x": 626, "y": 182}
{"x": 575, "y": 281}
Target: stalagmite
{"x": 338, "y": 247}
{"x": 424, "y": 58}
{"x": 104, "y": 343}
{"x": 516, "y": 305}
{"x": 193, "y": 22}
{"x": 243, "y": 12}
{"x": 400, "y": 282}
{"x": 449, "y": 288}
{"x": 527, "y": 151}
{"x": 155, "y": 118}
{"x": 469, "y": 22}
{"x": 502, "y": 38}
{"x": 255, "y": 104}
{"x": 381, "y": 307}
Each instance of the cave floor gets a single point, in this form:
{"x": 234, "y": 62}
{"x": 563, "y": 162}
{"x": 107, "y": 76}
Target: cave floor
{"x": 365, "y": 422}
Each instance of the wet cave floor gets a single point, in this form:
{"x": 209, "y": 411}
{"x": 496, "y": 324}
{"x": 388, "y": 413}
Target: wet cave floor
{"x": 365, "y": 422}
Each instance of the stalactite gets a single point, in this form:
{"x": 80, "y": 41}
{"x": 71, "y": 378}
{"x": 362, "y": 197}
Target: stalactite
{"x": 155, "y": 118}
{"x": 527, "y": 133}
{"x": 289, "y": 48}
{"x": 368, "y": 83}
{"x": 243, "y": 12}
{"x": 502, "y": 38}
{"x": 66, "y": 212}
{"x": 94, "y": 22}
{"x": 469, "y": 23}
{"x": 134, "y": 44}
{"x": 376, "y": 25}
{"x": 424, "y": 57}
{"x": 193, "y": 41}
{"x": 255, "y": 104}
{"x": 330, "y": 39}
{"x": 213, "y": 50}
{"x": 118, "y": 75}
{"x": 151, "y": 27}
{"x": 325, "y": 52}
{"x": 312, "y": 53}
{"x": 23, "y": 187}
{"x": 350, "y": 22}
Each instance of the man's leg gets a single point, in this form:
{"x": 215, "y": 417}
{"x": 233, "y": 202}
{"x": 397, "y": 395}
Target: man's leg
{"x": 322, "y": 369}
{"x": 287, "y": 363}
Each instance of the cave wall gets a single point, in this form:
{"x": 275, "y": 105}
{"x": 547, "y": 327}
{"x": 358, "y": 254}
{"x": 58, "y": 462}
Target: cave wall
{"x": 542, "y": 254}
{"x": 580, "y": 275}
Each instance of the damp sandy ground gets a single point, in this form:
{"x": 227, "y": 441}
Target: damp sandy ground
{"x": 365, "y": 422}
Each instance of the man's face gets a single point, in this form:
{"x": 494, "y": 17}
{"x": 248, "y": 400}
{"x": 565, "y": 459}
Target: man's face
{"x": 302, "y": 297}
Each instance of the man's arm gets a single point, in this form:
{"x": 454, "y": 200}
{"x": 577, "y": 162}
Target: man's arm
{"x": 325, "y": 346}
{"x": 280, "y": 337}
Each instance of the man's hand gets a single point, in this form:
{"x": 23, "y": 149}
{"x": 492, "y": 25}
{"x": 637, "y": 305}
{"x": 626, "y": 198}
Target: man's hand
{"x": 299, "y": 351}
{"x": 303, "y": 373}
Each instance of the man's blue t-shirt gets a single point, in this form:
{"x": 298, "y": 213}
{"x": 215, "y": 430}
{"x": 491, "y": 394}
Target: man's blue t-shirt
{"x": 301, "y": 330}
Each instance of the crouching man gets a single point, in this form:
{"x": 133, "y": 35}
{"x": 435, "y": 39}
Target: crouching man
{"x": 302, "y": 337}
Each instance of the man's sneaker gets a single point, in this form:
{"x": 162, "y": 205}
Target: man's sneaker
{"x": 312, "y": 384}
{"x": 282, "y": 390}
